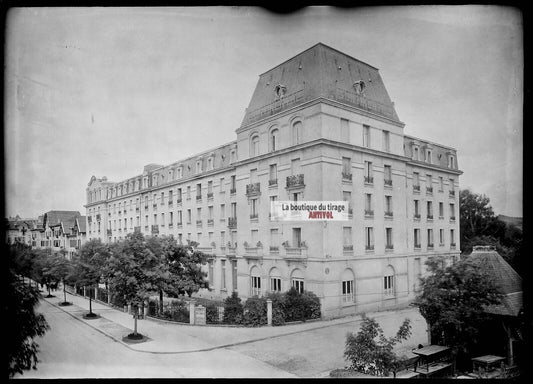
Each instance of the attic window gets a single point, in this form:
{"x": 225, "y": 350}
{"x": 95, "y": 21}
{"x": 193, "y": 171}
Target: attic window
{"x": 280, "y": 90}
{"x": 359, "y": 87}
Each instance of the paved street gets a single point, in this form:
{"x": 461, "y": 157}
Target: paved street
{"x": 78, "y": 348}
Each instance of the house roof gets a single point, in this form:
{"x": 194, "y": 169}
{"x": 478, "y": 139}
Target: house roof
{"x": 319, "y": 71}
{"x": 82, "y": 227}
{"x": 504, "y": 276}
{"x": 56, "y": 217}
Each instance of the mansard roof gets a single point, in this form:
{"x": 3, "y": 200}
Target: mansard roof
{"x": 58, "y": 217}
{"x": 319, "y": 71}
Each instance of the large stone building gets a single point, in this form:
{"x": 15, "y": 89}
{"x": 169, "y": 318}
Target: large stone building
{"x": 319, "y": 126}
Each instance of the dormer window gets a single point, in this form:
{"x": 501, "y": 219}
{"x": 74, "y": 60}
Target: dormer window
{"x": 198, "y": 166}
{"x": 429, "y": 156}
{"x": 170, "y": 174}
{"x": 280, "y": 90}
{"x": 359, "y": 87}
{"x": 233, "y": 156}
{"x": 451, "y": 162}
{"x": 210, "y": 162}
{"x": 297, "y": 132}
{"x": 180, "y": 172}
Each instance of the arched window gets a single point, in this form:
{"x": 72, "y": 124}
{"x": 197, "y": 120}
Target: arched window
{"x": 255, "y": 281}
{"x": 347, "y": 286}
{"x": 273, "y": 140}
{"x": 297, "y": 132}
{"x": 388, "y": 282}
{"x": 254, "y": 146}
{"x": 275, "y": 280}
{"x": 297, "y": 280}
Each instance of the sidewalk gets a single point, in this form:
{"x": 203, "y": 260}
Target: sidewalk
{"x": 175, "y": 338}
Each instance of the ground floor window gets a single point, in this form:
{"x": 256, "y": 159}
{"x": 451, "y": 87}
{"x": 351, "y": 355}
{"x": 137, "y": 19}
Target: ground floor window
{"x": 347, "y": 291}
{"x": 255, "y": 285}
{"x": 298, "y": 284}
{"x": 388, "y": 282}
{"x": 275, "y": 284}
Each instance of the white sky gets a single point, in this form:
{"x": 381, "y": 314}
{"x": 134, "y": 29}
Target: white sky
{"x": 105, "y": 91}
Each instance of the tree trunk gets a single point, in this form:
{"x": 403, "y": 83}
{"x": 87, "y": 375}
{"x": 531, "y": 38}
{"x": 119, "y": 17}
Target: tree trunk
{"x": 48, "y": 287}
{"x": 135, "y": 321}
{"x": 90, "y": 305}
{"x": 64, "y": 291}
{"x": 161, "y": 302}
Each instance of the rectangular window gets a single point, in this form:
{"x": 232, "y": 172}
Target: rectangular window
{"x": 171, "y": 222}
{"x": 162, "y": 198}
{"x": 210, "y": 212}
{"x": 347, "y": 196}
{"x": 222, "y": 238}
{"x": 441, "y": 209}
{"x": 295, "y": 167}
{"x": 386, "y": 141}
{"x": 222, "y": 187}
{"x": 429, "y": 180}
{"x": 388, "y": 238}
{"x": 428, "y": 156}
{"x": 368, "y": 204}
{"x": 452, "y": 237}
{"x": 254, "y": 211}
{"x": 274, "y": 237}
{"x": 296, "y": 237}
{"x": 155, "y": 218}
{"x": 210, "y": 187}
{"x": 345, "y": 131}
{"x": 416, "y": 179}
{"x": 253, "y": 175}
{"x": 234, "y": 275}
{"x": 254, "y": 236}
{"x": 368, "y": 171}
{"x": 366, "y": 136}
{"x": 387, "y": 170}
{"x": 188, "y": 192}
{"x": 223, "y": 274}
{"x": 222, "y": 211}
{"x": 347, "y": 236}
{"x": 273, "y": 174}
{"x": 430, "y": 237}
{"x": 388, "y": 205}
{"x": 346, "y": 168}
{"x": 429, "y": 209}
{"x": 441, "y": 236}
{"x": 255, "y": 285}
{"x": 233, "y": 184}
{"x": 189, "y": 216}
{"x": 369, "y": 238}
{"x": 347, "y": 291}
{"x": 452, "y": 211}
{"x": 198, "y": 191}
{"x": 180, "y": 218}
{"x": 234, "y": 210}
{"x": 417, "y": 237}
{"x": 198, "y": 213}
{"x": 441, "y": 184}
{"x": 452, "y": 185}
{"x": 162, "y": 218}
{"x": 417, "y": 209}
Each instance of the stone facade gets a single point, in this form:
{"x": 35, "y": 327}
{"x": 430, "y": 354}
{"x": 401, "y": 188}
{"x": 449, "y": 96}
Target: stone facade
{"x": 319, "y": 126}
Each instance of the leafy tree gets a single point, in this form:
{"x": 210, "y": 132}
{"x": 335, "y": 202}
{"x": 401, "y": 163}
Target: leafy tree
{"x": 133, "y": 272}
{"x": 453, "y": 299}
{"x": 88, "y": 266}
{"x": 22, "y": 259}
{"x": 162, "y": 248}
{"x": 369, "y": 351}
{"x": 60, "y": 268}
{"x": 185, "y": 266}
{"x": 23, "y": 323}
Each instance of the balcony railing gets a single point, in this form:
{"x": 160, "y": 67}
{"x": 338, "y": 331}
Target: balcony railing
{"x": 232, "y": 222}
{"x": 369, "y": 247}
{"x": 430, "y": 246}
{"x": 155, "y": 206}
{"x": 416, "y": 188}
{"x": 430, "y": 217}
{"x": 418, "y": 246}
{"x": 429, "y": 190}
{"x": 170, "y": 202}
{"x": 347, "y": 248}
{"x": 388, "y": 214}
{"x": 369, "y": 212}
{"x": 295, "y": 181}
{"x": 346, "y": 176}
{"x": 198, "y": 197}
{"x": 452, "y": 218}
{"x": 209, "y": 195}
{"x": 274, "y": 249}
{"x": 253, "y": 189}
{"x": 155, "y": 229}
{"x": 452, "y": 193}
{"x": 210, "y": 222}
{"x": 388, "y": 182}
{"x": 369, "y": 180}
{"x": 254, "y": 216}
{"x": 272, "y": 182}
{"x": 146, "y": 207}
{"x": 389, "y": 246}
{"x": 109, "y": 232}
{"x": 198, "y": 223}
{"x": 233, "y": 191}
{"x": 452, "y": 245}
{"x": 171, "y": 225}
{"x": 417, "y": 216}
{"x": 98, "y": 217}
{"x": 178, "y": 200}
